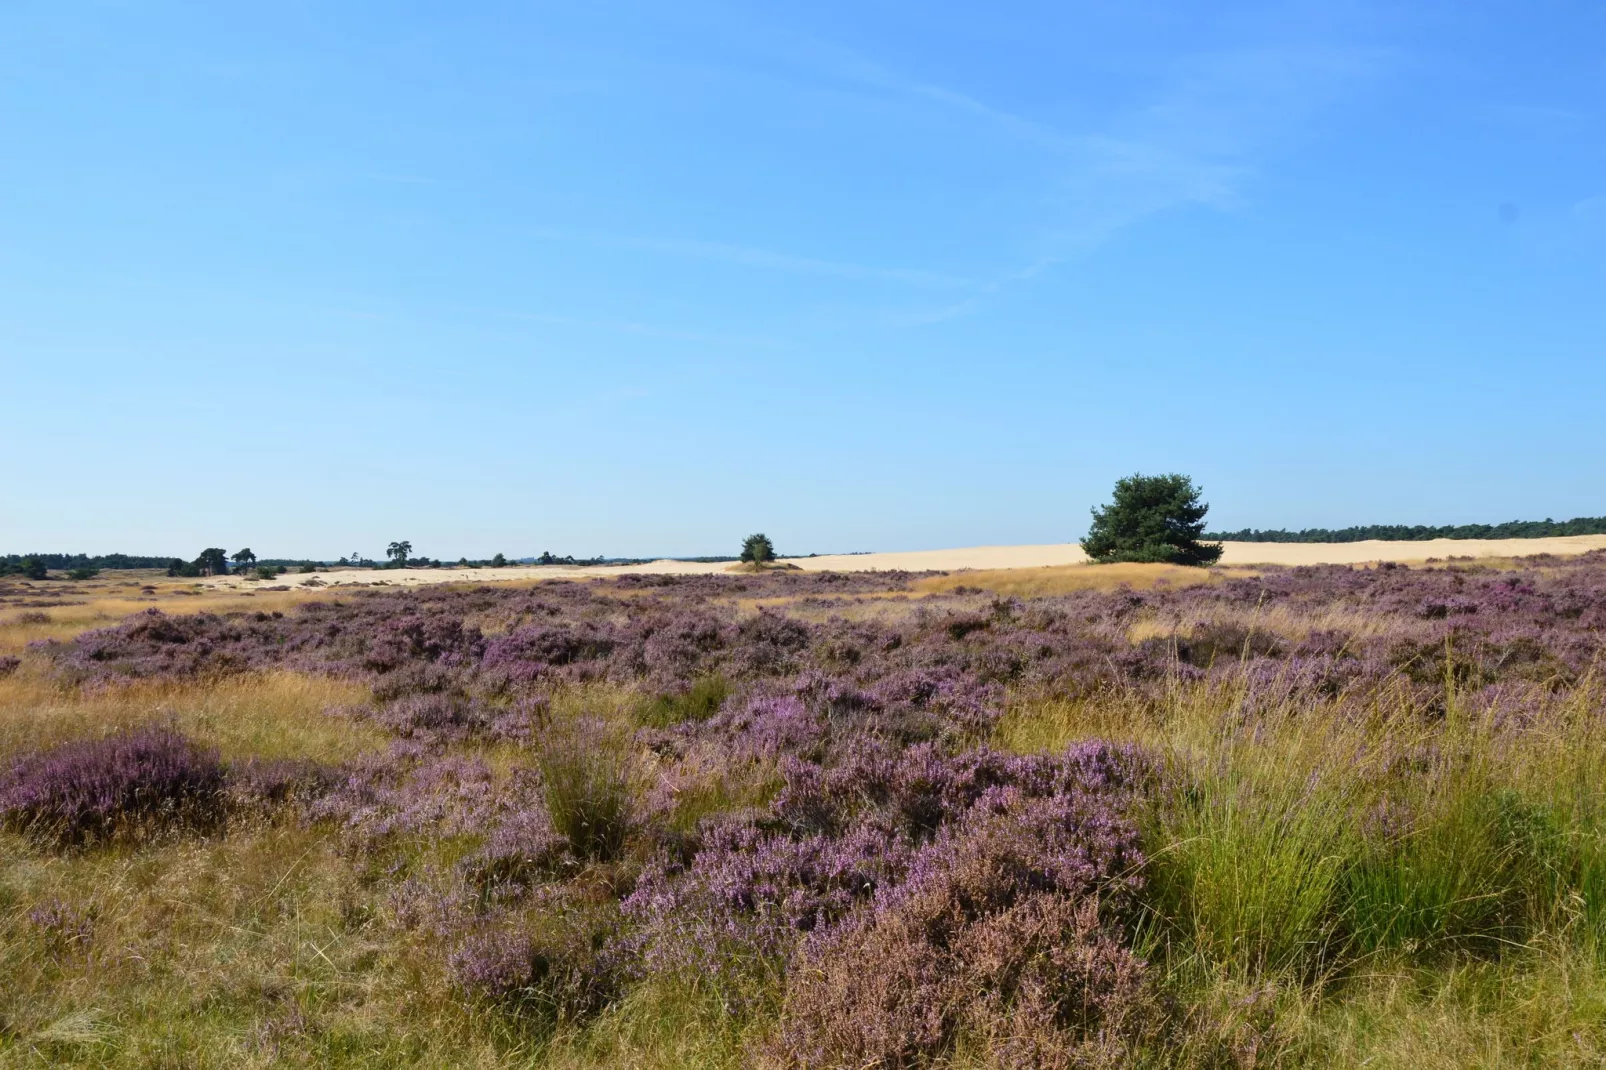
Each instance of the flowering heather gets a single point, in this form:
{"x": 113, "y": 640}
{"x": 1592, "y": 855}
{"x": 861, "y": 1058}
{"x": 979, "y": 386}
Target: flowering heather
{"x": 66, "y": 929}
{"x": 862, "y": 825}
{"x": 133, "y": 783}
{"x": 560, "y": 969}
{"x": 842, "y": 839}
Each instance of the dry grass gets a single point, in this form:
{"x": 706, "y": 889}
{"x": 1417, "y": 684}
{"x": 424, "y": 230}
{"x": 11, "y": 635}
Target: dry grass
{"x": 271, "y": 715}
{"x": 1066, "y": 579}
{"x": 239, "y": 951}
{"x": 102, "y": 603}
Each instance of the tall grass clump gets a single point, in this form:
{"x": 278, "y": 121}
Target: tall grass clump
{"x": 1306, "y": 843}
{"x": 696, "y": 703}
{"x": 134, "y": 784}
{"x": 585, "y": 772}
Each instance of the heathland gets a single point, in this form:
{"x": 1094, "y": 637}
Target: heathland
{"x": 1051, "y": 555}
{"x": 1069, "y": 816}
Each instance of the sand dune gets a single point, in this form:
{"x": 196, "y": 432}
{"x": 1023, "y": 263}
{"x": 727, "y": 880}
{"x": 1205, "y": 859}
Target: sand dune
{"x": 973, "y": 557}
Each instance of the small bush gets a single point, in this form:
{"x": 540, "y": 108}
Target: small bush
{"x": 33, "y": 616}
{"x": 266, "y": 572}
{"x": 134, "y": 784}
{"x": 557, "y": 970}
{"x": 8, "y": 665}
{"x": 1000, "y": 935}
{"x": 83, "y": 573}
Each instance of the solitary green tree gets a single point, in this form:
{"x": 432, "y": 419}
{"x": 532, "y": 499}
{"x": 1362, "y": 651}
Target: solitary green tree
{"x": 214, "y": 561}
{"x": 1153, "y": 518}
{"x": 397, "y": 552}
{"x": 758, "y": 550}
{"x": 34, "y": 568}
{"x": 498, "y": 561}
{"x": 244, "y": 558}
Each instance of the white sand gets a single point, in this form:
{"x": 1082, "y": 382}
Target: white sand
{"x": 974, "y": 557}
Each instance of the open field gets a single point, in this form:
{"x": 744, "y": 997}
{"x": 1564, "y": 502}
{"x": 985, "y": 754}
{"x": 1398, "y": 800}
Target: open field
{"x": 1127, "y": 815}
{"x": 971, "y": 558}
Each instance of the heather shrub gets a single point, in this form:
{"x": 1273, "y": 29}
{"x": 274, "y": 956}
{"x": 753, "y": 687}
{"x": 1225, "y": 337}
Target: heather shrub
{"x": 523, "y": 849}
{"x": 1008, "y": 928}
{"x": 585, "y": 772}
{"x": 135, "y": 784}
{"x": 8, "y": 665}
{"x": 553, "y": 968}
{"x": 731, "y": 907}
{"x": 256, "y": 782}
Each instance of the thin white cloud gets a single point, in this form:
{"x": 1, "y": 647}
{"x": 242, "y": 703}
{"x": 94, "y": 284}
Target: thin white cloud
{"x": 839, "y": 63}
{"x": 632, "y": 327}
{"x": 767, "y": 258}
{"x": 1196, "y": 141}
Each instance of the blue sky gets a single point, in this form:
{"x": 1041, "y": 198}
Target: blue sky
{"x": 639, "y": 279}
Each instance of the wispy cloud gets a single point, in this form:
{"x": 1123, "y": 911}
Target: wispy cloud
{"x": 631, "y": 327}
{"x": 1197, "y": 140}
{"x": 766, "y": 258}
{"x": 838, "y": 63}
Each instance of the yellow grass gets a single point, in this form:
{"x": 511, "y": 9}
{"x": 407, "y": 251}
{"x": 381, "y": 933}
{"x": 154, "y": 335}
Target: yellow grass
{"x": 101, "y": 603}
{"x": 1064, "y": 579}
{"x": 269, "y": 715}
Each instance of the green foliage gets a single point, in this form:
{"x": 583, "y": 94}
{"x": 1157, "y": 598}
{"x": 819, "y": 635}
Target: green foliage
{"x": 34, "y": 568}
{"x": 697, "y": 703}
{"x": 758, "y": 549}
{"x": 83, "y": 573}
{"x": 398, "y": 552}
{"x": 585, "y": 771}
{"x": 244, "y": 558}
{"x": 266, "y": 572}
{"x": 213, "y": 561}
{"x": 498, "y": 561}
{"x": 10, "y": 563}
{"x": 1152, "y": 519}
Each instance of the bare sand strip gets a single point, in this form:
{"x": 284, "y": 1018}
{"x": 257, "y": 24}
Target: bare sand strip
{"x": 974, "y": 557}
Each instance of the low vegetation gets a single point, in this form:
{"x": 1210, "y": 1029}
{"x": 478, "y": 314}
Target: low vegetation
{"x": 1511, "y": 529}
{"x": 1206, "y": 818}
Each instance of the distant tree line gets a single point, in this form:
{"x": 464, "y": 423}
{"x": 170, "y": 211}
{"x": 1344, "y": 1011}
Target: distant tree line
{"x": 1512, "y": 529}
{"x": 67, "y": 562}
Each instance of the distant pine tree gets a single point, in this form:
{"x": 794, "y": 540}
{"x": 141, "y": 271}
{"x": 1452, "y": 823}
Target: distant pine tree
{"x": 758, "y": 550}
{"x": 1154, "y": 519}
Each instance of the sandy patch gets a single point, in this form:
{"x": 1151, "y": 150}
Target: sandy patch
{"x": 974, "y": 557}
{"x": 1354, "y": 553}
